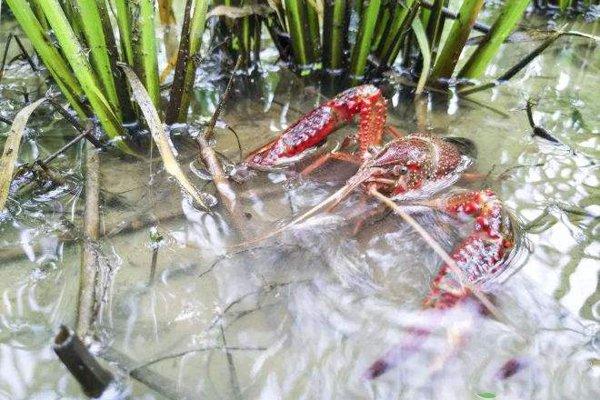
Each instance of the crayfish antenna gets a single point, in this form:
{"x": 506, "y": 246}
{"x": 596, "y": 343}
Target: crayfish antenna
{"x": 332, "y": 201}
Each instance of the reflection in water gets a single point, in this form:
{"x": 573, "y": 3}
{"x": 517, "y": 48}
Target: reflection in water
{"x": 305, "y": 314}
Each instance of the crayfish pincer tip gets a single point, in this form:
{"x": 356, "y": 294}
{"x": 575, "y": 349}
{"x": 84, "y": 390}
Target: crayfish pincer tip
{"x": 377, "y": 369}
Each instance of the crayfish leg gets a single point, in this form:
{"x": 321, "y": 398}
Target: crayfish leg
{"x": 366, "y": 102}
{"x": 334, "y": 155}
{"x": 480, "y": 256}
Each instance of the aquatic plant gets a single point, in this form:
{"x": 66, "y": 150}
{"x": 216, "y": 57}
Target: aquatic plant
{"x": 90, "y": 44}
{"x": 356, "y": 39}
{"x": 388, "y": 30}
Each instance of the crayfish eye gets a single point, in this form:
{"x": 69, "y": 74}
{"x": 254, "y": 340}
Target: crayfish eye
{"x": 400, "y": 170}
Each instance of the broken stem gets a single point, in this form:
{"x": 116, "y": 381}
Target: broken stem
{"x": 235, "y": 384}
{"x": 86, "y": 132}
{"x": 89, "y": 257}
{"x": 153, "y": 265}
{"x": 210, "y": 159}
{"x": 81, "y": 363}
{"x": 155, "y": 381}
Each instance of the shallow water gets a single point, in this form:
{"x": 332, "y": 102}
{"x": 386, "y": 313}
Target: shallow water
{"x": 303, "y": 315}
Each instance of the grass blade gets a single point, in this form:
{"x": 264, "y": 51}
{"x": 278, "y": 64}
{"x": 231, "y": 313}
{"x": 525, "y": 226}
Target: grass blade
{"x": 335, "y": 34}
{"x": 159, "y": 134}
{"x": 94, "y": 33}
{"x": 11, "y": 149}
{"x": 402, "y": 40}
{"x": 511, "y": 14}
{"x": 174, "y": 110}
{"x": 298, "y": 29}
{"x": 362, "y": 47}
{"x": 459, "y": 33}
{"x": 421, "y": 36}
{"x": 123, "y": 17}
{"x": 435, "y": 26}
{"x": 145, "y": 52}
{"x": 195, "y": 42}
{"x": 76, "y": 57}
{"x": 50, "y": 56}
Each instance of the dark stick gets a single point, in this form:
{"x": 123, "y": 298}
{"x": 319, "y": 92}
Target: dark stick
{"x": 25, "y": 54}
{"x": 74, "y": 121}
{"x": 209, "y": 131}
{"x": 153, "y": 265}
{"x": 452, "y": 15}
{"x": 6, "y": 47}
{"x": 183, "y": 56}
{"x": 233, "y": 379}
{"x": 81, "y": 363}
{"x": 211, "y": 161}
{"x": 5, "y": 120}
{"x": 73, "y": 142}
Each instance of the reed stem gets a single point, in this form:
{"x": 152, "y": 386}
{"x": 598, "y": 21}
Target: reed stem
{"x": 362, "y": 47}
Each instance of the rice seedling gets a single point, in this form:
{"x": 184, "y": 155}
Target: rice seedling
{"x": 355, "y": 39}
{"x": 91, "y": 43}
{"x": 385, "y": 33}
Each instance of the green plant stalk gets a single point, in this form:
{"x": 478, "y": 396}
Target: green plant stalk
{"x": 73, "y": 17}
{"x": 503, "y": 26}
{"x": 362, "y": 47}
{"x": 392, "y": 34}
{"x": 384, "y": 18}
{"x": 76, "y": 56}
{"x": 145, "y": 54}
{"x": 313, "y": 28}
{"x": 196, "y": 31}
{"x": 245, "y": 37}
{"x": 39, "y": 13}
{"x": 421, "y": 36}
{"x": 335, "y": 33}
{"x": 123, "y": 17}
{"x": 127, "y": 107}
{"x": 50, "y": 56}
{"x": 564, "y": 4}
{"x": 403, "y": 38}
{"x": 297, "y": 24}
{"x": 172, "y": 112}
{"x": 435, "y": 26}
{"x": 94, "y": 34}
{"x": 455, "y": 42}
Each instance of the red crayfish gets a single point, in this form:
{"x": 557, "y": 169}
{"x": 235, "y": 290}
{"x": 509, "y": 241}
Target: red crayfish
{"x": 407, "y": 168}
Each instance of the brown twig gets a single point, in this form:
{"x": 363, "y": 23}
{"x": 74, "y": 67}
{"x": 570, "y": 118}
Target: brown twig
{"x": 155, "y": 381}
{"x": 89, "y": 259}
{"x": 233, "y": 379}
{"x": 86, "y": 132}
{"x": 211, "y": 161}
{"x": 183, "y": 56}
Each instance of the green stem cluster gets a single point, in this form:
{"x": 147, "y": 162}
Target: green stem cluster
{"x": 84, "y": 65}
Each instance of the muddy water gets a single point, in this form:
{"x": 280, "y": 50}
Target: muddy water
{"x": 304, "y": 314}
